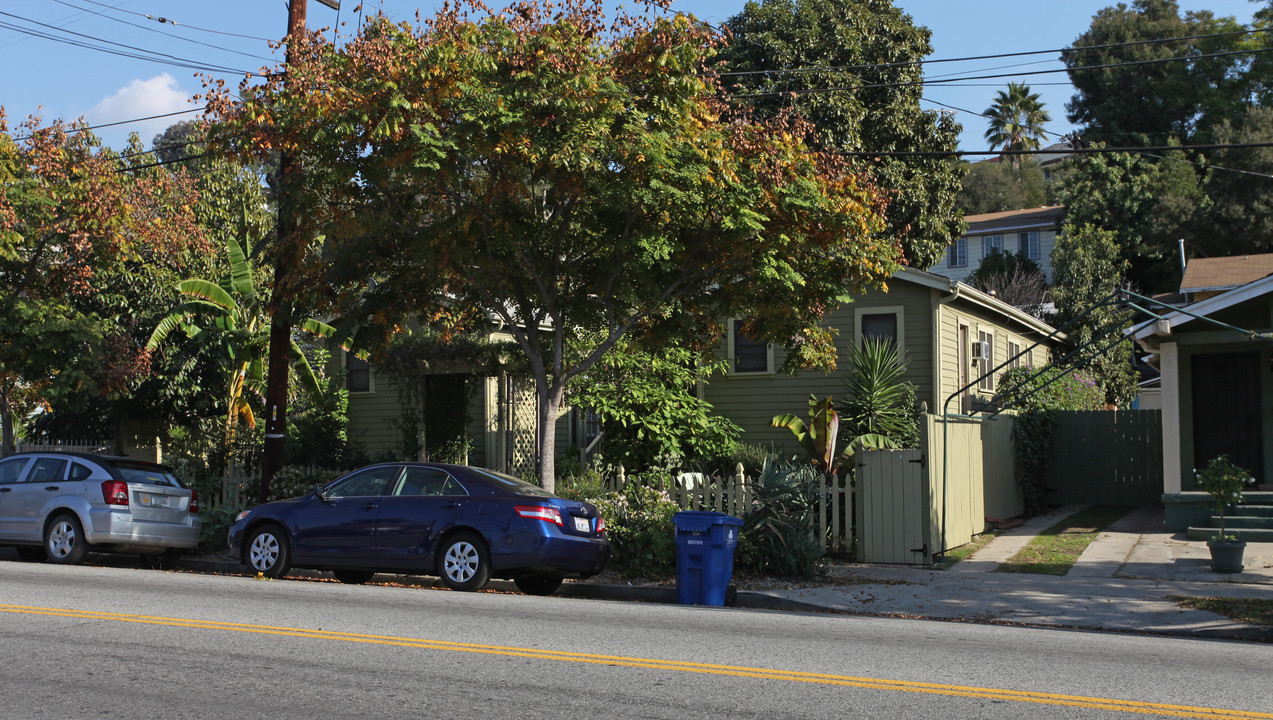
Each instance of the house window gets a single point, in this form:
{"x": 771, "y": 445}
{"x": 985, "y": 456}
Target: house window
{"x": 881, "y": 322}
{"x": 1014, "y": 350}
{"x": 1028, "y": 244}
{"x": 986, "y": 381}
{"x": 991, "y": 243}
{"x": 957, "y": 253}
{"x": 357, "y": 374}
{"x": 747, "y": 355}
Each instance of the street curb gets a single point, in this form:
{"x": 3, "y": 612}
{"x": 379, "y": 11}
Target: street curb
{"x": 754, "y": 600}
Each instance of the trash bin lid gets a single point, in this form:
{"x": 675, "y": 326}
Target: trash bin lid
{"x": 702, "y": 520}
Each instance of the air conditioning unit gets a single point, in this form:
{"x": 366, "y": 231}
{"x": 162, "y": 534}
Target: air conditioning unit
{"x": 980, "y": 350}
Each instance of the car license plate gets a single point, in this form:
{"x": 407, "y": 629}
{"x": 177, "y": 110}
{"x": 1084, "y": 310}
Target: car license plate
{"x": 581, "y": 525}
{"x": 151, "y": 500}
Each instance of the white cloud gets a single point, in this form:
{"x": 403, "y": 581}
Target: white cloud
{"x": 141, "y": 98}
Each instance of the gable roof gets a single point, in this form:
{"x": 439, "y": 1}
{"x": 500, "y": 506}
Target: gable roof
{"x": 1225, "y": 273}
{"x": 1203, "y": 308}
{"x": 957, "y": 289}
{"x": 1039, "y": 217}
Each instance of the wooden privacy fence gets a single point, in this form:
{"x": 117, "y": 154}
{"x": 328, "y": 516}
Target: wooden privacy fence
{"x": 1106, "y": 457}
{"x": 914, "y": 504}
{"x": 734, "y": 494}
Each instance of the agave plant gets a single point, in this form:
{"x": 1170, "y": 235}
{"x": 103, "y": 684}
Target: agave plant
{"x": 237, "y": 312}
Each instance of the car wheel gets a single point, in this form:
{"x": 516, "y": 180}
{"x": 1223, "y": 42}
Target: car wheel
{"x": 545, "y": 584}
{"x": 269, "y": 552}
{"x": 29, "y": 553}
{"x": 353, "y": 577}
{"x": 463, "y": 564}
{"x": 64, "y": 540}
{"x": 166, "y": 560}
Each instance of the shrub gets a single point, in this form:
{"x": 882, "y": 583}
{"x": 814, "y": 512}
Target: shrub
{"x": 293, "y": 481}
{"x": 639, "y": 525}
{"x": 779, "y": 534}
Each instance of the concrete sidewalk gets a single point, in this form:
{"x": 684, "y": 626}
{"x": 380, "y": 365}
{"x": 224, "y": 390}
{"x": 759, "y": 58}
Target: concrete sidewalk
{"x": 1122, "y": 582}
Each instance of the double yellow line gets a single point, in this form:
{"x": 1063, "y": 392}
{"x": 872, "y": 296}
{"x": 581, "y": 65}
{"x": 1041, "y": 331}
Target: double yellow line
{"x": 1076, "y": 701}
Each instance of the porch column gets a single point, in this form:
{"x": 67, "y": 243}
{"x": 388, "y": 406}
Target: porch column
{"x": 1169, "y": 366}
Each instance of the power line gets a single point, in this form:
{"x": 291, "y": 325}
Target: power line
{"x": 168, "y": 21}
{"x": 910, "y": 63}
{"x": 1075, "y": 151}
{"x": 869, "y": 86}
{"x": 148, "y": 55}
{"x": 123, "y": 122}
{"x": 161, "y": 32}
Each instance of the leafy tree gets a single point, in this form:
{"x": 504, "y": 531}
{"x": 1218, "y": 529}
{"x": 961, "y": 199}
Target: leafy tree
{"x": 1016, "y": 120}
{"x": 873, "y": 48}
{"x": 1148, "y": 206}
{"x": 1087, "y": 267}
{"x": 1124, "y": 101}
{"x": 649, "y": 404}
{"x": 993, "y": 186}
{"x": 75, "y": 231}
{"x": 1240, "y": 219}
{"x": 548, "y": 172}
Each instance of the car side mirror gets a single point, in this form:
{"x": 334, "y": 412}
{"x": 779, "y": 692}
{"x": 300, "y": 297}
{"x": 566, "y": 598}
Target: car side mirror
{"x": 320, "y": 493}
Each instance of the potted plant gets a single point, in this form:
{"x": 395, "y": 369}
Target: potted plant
{"x": 1224, "y": 481}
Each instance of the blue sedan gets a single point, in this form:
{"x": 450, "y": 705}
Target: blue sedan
{"x": 464, "y": 524}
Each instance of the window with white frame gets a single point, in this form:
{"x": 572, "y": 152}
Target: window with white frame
{"x": 1014, "y": 351}
{"x": 747, "y": 355}
{"x": 1028, "y": 244}
{"x": 991, "y": 243}
{"x": 957, "y": 253}
{"x": 986, "y": 361}
{"x": 357, "y": 374}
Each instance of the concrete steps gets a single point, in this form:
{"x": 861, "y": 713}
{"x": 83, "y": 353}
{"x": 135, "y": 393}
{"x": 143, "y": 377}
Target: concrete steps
{"x": 1252, "y": 520}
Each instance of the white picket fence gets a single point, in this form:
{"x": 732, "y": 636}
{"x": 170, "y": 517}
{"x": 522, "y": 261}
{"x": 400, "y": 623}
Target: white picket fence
{"x": 96, "y": 447}
{"x": 733, "y": 495}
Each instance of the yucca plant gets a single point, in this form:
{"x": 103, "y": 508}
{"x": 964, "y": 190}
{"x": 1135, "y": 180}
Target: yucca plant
{"x": 880, "y": 400}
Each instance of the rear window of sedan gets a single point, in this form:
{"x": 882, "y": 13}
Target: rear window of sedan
{"x": 147, "y": 474}
{"x": 510, "y": 483}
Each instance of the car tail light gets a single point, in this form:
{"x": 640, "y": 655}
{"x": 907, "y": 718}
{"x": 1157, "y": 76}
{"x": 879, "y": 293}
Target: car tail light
{"x": 194, "y": 502}
{"x": 115, "y": 492}
{"x": 601, "y": 524}
{"x": 542, "y": 512}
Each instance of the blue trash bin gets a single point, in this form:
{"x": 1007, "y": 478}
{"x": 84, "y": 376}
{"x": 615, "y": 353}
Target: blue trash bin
{"x": 705, "y": 543}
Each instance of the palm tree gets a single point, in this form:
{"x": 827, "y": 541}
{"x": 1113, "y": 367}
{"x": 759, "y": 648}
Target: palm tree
{"x": 1016, "y": 119}
{"x": 237, "y": 311}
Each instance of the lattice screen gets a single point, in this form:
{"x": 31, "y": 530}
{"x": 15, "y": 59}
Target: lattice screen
{"x": 523, "y": 440}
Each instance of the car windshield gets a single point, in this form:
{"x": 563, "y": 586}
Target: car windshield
{"x": 512, "y": 484}
{"x": 147, "y": 475}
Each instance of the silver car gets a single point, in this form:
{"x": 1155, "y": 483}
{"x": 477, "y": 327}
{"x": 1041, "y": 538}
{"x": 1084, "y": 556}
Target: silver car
{"x": 64, "y": 505}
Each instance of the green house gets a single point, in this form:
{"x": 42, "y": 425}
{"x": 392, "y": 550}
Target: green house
{"x": 951, "y": 334}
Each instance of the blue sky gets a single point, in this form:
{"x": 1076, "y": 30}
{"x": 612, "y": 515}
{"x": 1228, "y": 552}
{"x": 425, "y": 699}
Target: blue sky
{"x": 59, "y": 80}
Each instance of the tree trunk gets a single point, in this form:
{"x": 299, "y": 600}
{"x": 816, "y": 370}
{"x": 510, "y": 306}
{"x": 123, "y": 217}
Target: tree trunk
{"x": 7, "y": 443}
{"x": 550, "y": 399}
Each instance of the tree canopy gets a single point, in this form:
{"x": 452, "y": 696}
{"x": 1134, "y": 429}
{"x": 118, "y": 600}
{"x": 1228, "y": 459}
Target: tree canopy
{"x": 867, "y": 100}
{"x": 84, "y": 233}
{"x": 558, "y": 172}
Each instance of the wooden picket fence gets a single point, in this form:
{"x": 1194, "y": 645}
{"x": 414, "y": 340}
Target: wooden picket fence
{"x": 95, "y": 447}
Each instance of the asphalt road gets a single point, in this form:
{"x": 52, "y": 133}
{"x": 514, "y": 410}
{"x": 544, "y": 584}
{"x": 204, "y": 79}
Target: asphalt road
{"x": 84, "y": 642}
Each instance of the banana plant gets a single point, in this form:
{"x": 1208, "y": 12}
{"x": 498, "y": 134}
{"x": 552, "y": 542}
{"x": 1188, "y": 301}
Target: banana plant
{"x": 235, "y": 309}
{"x": 818, "y": 436}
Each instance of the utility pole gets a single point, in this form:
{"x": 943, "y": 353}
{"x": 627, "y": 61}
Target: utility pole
{"x": 288, "y": 251}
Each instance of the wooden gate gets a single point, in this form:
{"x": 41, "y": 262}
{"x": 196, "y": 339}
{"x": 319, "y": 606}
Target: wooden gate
{"x": 893, "y": 516}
